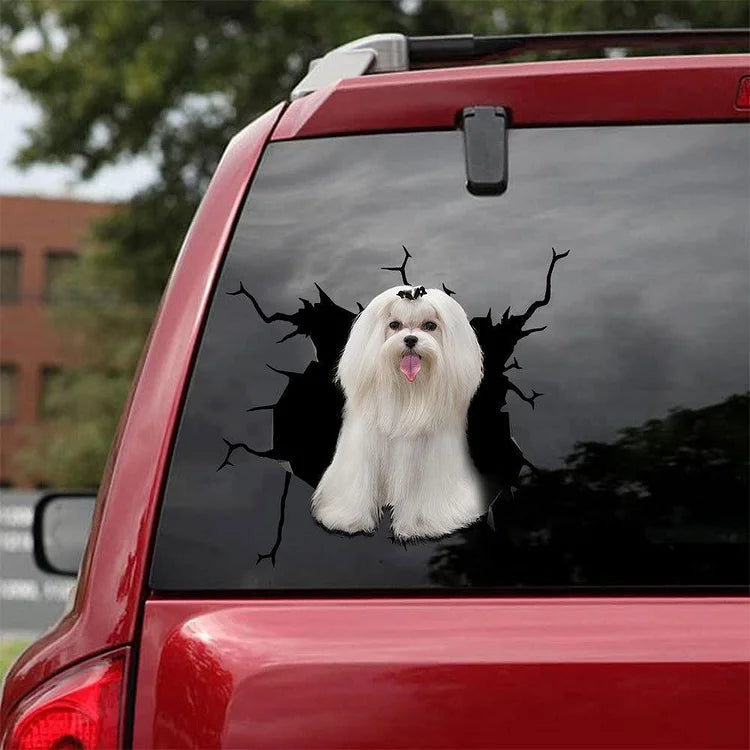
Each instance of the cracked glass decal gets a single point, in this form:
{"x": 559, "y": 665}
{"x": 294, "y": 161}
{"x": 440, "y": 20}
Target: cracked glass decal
{"x": 438, "y": 455}
{"x": 631, "y": 470}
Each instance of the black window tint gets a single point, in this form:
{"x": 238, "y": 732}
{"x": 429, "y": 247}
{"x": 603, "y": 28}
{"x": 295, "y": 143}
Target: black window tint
{"x": 636, "y": 455}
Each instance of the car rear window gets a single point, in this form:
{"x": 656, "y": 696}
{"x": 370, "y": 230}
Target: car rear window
{"x": 610, "y": 442}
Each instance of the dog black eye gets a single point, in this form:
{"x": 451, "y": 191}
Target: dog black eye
{"x": 429, "y": 326}
{"x": 394, "y": 326}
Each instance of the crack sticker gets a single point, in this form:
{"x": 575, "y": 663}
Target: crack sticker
{"x": 407, "y": 397}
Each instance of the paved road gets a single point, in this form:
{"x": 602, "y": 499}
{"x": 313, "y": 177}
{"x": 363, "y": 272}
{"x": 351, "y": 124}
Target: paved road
{"x": 30, "y": 601}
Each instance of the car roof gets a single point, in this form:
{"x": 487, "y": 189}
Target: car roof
{"x": 632, "y": 90}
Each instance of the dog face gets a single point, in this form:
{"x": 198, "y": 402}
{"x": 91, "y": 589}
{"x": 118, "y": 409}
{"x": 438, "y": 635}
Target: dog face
{"x": 413, "y": 333}
{"x": 412, "y": 360}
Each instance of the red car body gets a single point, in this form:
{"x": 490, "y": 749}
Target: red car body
{"x": 404, "y": 671}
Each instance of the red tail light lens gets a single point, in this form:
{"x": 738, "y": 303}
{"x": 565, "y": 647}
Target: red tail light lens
{"x": 743, "y": 94}
{"x": 80, "y": 709}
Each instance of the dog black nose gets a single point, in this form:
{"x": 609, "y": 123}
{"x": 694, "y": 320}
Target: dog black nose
{"x": 410, "y": 341}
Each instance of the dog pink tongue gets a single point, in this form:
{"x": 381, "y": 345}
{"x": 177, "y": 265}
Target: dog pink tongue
{"x": 410, "y": 366}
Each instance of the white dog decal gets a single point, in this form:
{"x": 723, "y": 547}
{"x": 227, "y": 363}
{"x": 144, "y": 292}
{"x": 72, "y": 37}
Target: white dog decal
{"x": 408, "y": 371}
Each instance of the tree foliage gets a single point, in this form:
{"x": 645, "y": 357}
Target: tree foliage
{"x": 174, "y": 81}
{"x": 664, "y": 503}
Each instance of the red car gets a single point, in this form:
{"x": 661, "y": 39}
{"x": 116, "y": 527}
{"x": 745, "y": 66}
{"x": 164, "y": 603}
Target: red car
{"x": 277, "y": 561}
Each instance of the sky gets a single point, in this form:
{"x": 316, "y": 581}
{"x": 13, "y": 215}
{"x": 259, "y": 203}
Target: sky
{"x": 118, "y": 182}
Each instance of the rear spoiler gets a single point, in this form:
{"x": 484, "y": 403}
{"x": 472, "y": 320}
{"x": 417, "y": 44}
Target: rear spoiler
{"x": 388, "y": 53}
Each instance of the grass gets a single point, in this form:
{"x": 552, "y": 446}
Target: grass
{"x": 9, "y": 650}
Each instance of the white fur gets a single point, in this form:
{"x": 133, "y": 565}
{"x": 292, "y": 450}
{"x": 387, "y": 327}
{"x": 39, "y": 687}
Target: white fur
{"x": 403, "y": 444}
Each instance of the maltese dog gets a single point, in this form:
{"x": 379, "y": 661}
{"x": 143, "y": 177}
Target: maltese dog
{"x": 408, "y": 371}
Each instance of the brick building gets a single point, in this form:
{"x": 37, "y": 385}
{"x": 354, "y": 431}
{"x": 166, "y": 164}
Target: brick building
{"x": 39, "y": 238}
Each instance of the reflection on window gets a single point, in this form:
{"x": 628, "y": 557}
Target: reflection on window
{"x": 8, "y": 391}
{"x": 10, "y": 275}
{"x": 49, "y": 397}
{"x": 56, "y": 264}
{"x": 634, "y": 456}
{"x": 665, "y": 501}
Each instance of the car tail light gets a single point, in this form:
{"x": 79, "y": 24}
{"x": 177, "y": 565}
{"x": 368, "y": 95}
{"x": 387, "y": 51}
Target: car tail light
{"x": 743, "y": 94}
{"x": 79, "y": 709}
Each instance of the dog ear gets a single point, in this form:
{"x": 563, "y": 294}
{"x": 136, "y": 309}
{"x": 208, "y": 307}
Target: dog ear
{"x": 463, "y": 355}
{"x": 360, "y": 356}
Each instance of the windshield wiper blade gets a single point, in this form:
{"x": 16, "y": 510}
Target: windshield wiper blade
{"x": 425, "y": 50}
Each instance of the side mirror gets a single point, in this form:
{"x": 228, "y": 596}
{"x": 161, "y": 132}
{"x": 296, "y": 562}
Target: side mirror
{"x": 61, "y": 529}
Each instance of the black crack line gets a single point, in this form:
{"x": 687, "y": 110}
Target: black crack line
{"x": 534, "y": 306}
{"x": 288, "y": 336}
{"x": 528, "y": 399}
{"x": 266, "y": 318}
{"x": 529, "y": 331}
{"x": 512, "y": 366}
{"x": 287, "y": 373}
{"x": 401, "y": 268}
{"x": 280, "y": 528}
{"x": 232, "y": 447}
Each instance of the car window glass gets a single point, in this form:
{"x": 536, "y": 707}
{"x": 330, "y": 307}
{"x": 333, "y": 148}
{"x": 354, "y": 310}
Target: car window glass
{"x": 628, "y": 411}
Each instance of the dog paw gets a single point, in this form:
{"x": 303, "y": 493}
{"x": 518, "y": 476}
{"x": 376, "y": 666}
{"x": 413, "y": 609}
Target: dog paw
{"x": 421, "y": 527}
{"x": 338, "y": 519}
{"x": 417, "y": 528}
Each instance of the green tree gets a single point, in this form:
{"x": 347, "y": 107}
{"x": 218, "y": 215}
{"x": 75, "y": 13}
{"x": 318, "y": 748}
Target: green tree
{"x": 666, "y": 502}
{"x": 174, "y": 81}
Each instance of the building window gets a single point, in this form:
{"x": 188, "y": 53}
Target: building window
{"x": 10, "y": 275}
{"x": 8, "y": 391}
{"x": 56, "y": 264}
{"x": 49, "y": 394}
